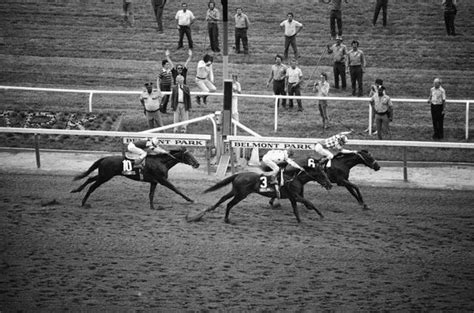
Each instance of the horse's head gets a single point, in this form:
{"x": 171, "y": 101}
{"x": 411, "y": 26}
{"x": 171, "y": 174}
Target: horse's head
{"x": 368, "y": 159}
{"x": 316, "y": 172}
{"x": 184, "y": 156}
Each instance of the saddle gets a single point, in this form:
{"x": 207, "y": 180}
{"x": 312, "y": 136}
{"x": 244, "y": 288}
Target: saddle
{"x": 129, "y": 164}
{"x": 268, "y": 183}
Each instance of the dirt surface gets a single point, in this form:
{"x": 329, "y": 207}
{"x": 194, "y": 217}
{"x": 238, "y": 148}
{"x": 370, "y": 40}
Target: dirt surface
{"x": 412, "y": 251}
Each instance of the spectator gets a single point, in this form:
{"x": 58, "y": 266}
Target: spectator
{"x": 292, "y": 28}
{"x": 241, "y": 26}
{"x": 278, "y": 76}
{"x": 336, "y": 16}
{"x": 373, "y": 91}
{"x": 322, "y": 88}
{"x": 236, "y": 88}
{"x": 437, "y": 100}
{"x": 450, "y": 11}
{"x": 128, "y": 17}
{"x": 212, "y": 18}
{"x": 205, "y": 77}
{"x": 380, "y": 4}
{"x": 164, "y": 81}
{"x": 356, "y": 65}
{"x": 185, "y": 19}
{"x": 383, "y": 112}
{"x": 294, "y": 77}
{"x": 180, "y": 103}
{"x": 158, "y": 7}
{"x": 179, "y": 69}
{"x": 339, "y": 62}
{"x": 151, "y": 100}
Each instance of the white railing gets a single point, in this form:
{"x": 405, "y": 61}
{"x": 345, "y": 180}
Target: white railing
{"x": 275, "y": 97}
{"x": 169, "y": 139}
{"x": 308, "y": 144}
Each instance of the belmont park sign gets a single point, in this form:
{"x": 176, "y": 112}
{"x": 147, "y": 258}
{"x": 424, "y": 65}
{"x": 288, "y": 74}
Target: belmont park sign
{"x": 272, "y": 143}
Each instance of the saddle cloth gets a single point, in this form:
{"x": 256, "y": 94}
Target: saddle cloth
{"x": 265, "y": 182}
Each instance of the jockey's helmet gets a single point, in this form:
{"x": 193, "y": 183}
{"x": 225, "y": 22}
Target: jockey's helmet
{"x": 154, "y": 141}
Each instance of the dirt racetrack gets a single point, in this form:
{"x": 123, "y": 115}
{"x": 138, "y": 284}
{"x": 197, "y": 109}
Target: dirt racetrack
{"x": 412, "y": 251}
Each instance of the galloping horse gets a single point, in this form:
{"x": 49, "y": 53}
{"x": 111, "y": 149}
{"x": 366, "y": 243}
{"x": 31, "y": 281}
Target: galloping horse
{"x": 246, "y": 183}
{"x": 341, "y": 166}
{"x": 155, "y": 171}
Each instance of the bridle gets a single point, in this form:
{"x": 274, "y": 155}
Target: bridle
{"x": 369, "y": 164}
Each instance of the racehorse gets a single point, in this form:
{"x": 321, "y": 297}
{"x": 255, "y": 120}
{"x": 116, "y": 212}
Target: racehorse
{"x": 155, "y": 171}
{"x": 246, "y": 183}
{"x": 341, "y": 165}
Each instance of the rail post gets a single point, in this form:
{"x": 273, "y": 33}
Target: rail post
{"x": 90, "y": 102}
{"x": 276, "y": 114}
{"x": 467, "y": 120}
{"x": 37, "y": 153}
{"x": 370, "y": 119}
{"x": 405, "y": 170}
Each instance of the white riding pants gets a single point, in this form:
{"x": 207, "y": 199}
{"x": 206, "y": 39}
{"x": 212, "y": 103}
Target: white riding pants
{"x": 324, "y": 152}
{"x": 271, "y": 164}
{"x": 134, "y": 149}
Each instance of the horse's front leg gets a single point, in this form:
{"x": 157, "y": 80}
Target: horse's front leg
{"x": 163, "y": 181}
{"x": 308, "y": 204}
{"x": 295, "y": 209}
{"x": 355, "y": 192}
{"x": 151, "y": 195}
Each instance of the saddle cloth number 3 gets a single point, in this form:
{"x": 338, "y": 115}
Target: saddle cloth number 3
{"x": 127, "y": 165}
{"x": 263, "y": 182}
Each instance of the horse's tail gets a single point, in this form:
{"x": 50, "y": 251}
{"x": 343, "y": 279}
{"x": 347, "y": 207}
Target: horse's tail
{"x": 221, "y": 184}
{"x": 90, "y": 170}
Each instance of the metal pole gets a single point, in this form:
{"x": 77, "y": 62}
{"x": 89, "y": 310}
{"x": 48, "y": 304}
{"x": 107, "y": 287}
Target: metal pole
{"x": 467, "y": 120}
{"x": 225, "y": 50}
{"x": 370, "y": 119}
{"x": 37, "y": 153}
{"x": 90, "y": 101}
{"x": 276, "y": 113}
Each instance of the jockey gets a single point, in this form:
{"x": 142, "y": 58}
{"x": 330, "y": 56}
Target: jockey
{"x": 275, "y": 157}
{"x": 141, "y": 147}
{"x": 335, "y": 143}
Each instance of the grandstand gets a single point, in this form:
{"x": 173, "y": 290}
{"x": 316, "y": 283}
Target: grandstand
{"x": 83, "y": 44}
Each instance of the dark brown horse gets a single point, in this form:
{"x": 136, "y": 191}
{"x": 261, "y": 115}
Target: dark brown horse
{"x": 155, "y": 172}
{"x": 246, "y": 183}
{"x": 340, "y": 169}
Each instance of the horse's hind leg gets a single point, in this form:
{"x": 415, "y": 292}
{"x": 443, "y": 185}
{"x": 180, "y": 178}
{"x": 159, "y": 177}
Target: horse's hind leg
{"x": 223, "y": 199}
{"x": 88, "y": 181}
{"x": 232, "y": 203}
{"x": 91, "y": 189}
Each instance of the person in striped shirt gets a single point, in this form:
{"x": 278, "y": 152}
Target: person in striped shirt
{"x": 164, "y": 80}
{"x": 331, "y": 146}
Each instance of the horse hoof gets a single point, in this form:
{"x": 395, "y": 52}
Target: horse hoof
{"x": 190, "y": 200}
{"x": 365, "y": 208}
{"x": 86, "y": 206}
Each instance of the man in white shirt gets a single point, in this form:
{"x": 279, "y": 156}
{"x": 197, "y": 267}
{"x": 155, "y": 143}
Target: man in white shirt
{"x": 205, "y": 77}
{"x": 151, "y": 100}
{"x": 185, "y": 18}
{"x": 295, "y": 77}
{"x": 292, "y": 28}
{"x": 437, "y": 100}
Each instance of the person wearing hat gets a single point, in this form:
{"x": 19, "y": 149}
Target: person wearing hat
{"x": 383, "y": 109}
{"x": 142, "y": 148}
{"x": 339, "y": 51}
{"x": 373, "y": 91}
{"x": 151, "y": 101}
{"x": 437, "y": 100}
{"x": 380, "y": 5}
{"x": 333, "y": 145}
{"x": 356, "y": 65}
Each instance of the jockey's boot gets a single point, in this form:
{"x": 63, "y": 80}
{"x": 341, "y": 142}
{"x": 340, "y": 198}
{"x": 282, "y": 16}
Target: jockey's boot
{"x": 274, "y": 182}
{"x": 140, "y": 162}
